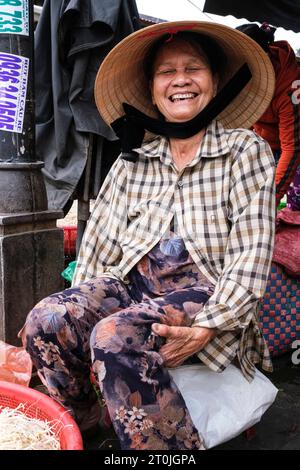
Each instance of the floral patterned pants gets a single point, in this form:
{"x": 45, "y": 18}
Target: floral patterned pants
{"x": 100, "y": 323}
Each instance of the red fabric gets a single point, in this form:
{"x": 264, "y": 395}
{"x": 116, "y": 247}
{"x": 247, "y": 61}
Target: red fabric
{"x": 280, "y": 124}
{"x": 287, "y": 241}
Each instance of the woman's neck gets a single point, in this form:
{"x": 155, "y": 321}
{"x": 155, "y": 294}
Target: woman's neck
{"x": 184, "y": 150}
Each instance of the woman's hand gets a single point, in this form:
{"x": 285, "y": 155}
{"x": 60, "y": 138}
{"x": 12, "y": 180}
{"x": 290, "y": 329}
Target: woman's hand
{"x": 181, "y": 342}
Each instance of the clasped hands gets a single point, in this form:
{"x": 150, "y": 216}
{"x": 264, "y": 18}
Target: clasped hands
{"x": 181, "y": 342}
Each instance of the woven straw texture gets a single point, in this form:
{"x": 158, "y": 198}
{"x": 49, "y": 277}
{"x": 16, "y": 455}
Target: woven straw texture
{"x": 121, "y": 78}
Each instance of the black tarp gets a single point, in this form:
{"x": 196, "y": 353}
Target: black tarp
{"x": 71, "y": 40}
{"x": 280, "y": 13}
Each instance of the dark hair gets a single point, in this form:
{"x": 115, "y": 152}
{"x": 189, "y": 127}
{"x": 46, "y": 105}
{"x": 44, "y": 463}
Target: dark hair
{"x": 264, "y": 35}
{"x": 214, "y": 53}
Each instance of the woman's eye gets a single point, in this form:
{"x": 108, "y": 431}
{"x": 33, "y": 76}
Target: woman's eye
{"x": 173, "y": 71}
{"x": 167, "y": 71}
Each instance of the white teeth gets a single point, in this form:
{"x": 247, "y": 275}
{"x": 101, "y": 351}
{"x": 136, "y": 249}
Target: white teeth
{"x": 182, "y": 96}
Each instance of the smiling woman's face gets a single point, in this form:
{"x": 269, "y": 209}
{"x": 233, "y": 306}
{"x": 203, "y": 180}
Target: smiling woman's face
{"x": 182, "y": 83}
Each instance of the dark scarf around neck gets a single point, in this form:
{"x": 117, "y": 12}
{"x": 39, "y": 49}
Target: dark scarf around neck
{"x": 131, "y": 127}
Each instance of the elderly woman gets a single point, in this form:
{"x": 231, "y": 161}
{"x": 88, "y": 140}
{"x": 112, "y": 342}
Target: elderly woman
{"x": 177, "y": 250}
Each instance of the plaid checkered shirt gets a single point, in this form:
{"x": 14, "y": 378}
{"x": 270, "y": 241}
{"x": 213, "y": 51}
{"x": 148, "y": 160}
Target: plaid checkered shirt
{"x": 224, "y": 206}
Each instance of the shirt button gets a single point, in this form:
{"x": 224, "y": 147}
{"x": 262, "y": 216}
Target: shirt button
{"x": 180, "y": 183}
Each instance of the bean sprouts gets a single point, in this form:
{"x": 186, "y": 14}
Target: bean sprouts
{"x": 20, "y": 432}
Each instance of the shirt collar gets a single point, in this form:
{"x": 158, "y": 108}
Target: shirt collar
{"x": 213, "y": 144}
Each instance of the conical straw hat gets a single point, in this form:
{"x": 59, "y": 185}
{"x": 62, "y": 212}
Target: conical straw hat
{"x": 121, "y": 76}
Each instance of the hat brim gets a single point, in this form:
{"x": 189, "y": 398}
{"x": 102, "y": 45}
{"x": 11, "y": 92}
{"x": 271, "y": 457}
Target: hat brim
{"x": 121, "y": 76}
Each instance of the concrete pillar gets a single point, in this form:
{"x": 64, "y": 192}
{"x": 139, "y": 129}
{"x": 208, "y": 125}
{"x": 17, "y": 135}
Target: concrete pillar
{"x": 31, "y": 246}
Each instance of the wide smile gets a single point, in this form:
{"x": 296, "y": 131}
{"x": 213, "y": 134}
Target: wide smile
{"x": 182, "y": 97}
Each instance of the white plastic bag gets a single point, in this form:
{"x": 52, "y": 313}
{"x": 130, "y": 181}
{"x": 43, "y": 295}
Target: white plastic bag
{"x": 222, "y": 405}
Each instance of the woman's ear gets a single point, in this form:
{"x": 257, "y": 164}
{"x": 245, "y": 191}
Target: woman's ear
{"x": 215, "y": 83}
{"x": 151, "y": 91}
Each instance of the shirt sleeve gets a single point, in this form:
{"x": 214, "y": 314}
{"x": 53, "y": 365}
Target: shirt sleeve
{"x": 249, "y": 250}
{"x": 288, "y": 110}
{"x": 100, "y": 248}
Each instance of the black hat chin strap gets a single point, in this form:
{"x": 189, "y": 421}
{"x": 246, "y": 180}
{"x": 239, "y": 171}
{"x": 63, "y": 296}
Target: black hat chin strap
{"x": 130, "y": 128}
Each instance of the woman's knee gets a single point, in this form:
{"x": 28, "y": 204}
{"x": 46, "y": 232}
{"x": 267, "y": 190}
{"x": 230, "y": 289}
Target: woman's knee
{"x": 125, "y": 330}
{"x": 46, "y": 317}
{"x": 103, "y": 333}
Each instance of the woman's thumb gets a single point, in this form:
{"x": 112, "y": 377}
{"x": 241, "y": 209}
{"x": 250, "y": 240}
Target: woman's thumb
{"x": 161, "y": 330}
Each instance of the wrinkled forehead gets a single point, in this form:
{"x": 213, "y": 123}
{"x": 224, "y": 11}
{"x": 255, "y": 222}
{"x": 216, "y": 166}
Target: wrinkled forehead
{"x": 177, "y": 47}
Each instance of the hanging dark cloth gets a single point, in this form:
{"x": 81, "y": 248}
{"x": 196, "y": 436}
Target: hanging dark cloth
{"x": 282, "y": 13}
{"x": 71, "y": 40}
